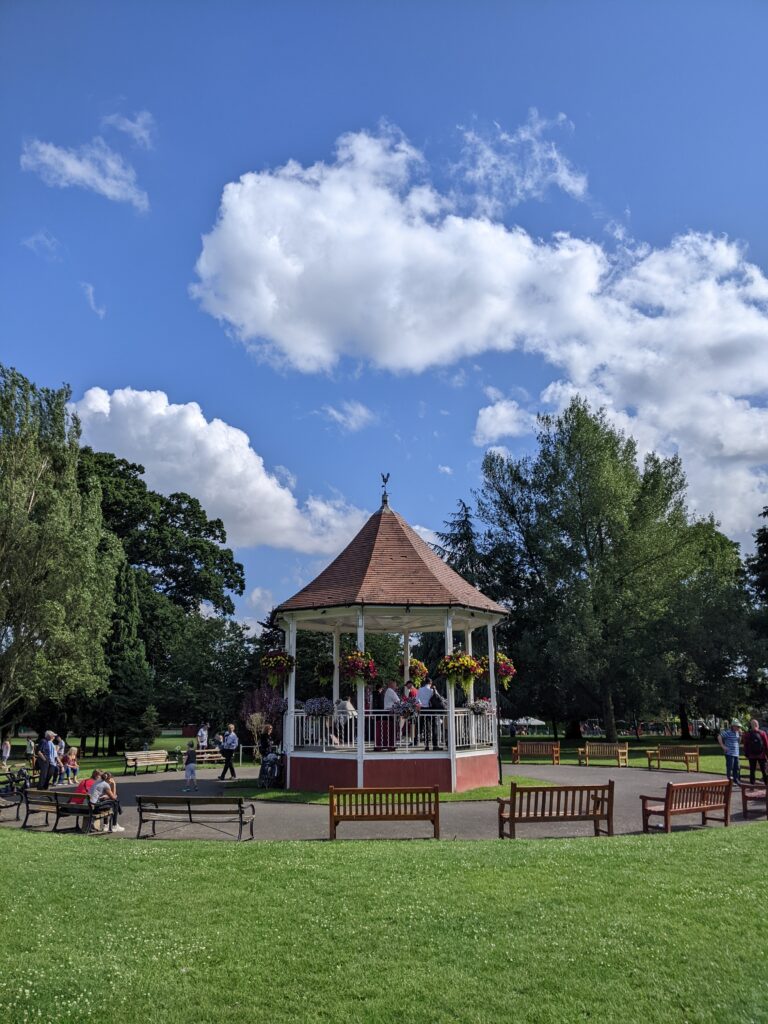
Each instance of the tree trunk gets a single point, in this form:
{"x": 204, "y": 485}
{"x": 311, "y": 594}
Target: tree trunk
{"x": 554, "y": 729}
{"x": 685, "y": 725}
{"x": 83, "y": 745}
{"x": 96, "y": 742}
{"x": 573, "y": 729}
{"x": 609, "y": 717}
{"x": 112, "y": 745}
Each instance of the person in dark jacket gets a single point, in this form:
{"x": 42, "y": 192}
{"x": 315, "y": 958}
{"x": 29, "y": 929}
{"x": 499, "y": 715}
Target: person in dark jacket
{"x": 756, "y": 750}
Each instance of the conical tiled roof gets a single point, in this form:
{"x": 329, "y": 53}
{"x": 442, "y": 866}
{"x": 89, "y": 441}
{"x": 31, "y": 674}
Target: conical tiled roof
{"x": 387, "y": 563}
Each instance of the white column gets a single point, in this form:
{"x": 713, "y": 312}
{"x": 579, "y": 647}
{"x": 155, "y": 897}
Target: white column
{"x": 289, "y": 717}
{"x": 360, "y": 702}
{"x": 406, "y": 656}
{"x": 335, "y": 666}
{"x": 468, "y": 645}
{"x": 451, "y": 701}
{"x": 492, "y": 681}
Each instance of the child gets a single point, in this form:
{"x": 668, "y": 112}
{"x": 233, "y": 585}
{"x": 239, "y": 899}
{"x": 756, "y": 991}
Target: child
{"x": 5, "y": 752}
{"x": 71, "y": 767}
{"x": 190, "y": 767}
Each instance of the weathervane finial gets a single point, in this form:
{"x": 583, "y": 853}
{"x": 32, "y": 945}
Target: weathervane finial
{"x": 384, "y": 495}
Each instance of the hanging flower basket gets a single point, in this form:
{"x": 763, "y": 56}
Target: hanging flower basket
{"x": 358, "y": 665}
{"x": 277, "y": 665}
{"x": 407, "y": 707}
{"x": 417, "y": 670}
{"x": 459, "y": 668}
{"x": 480, "y": 707}
{"x": 324, "y": 671}
{"x": 505, "y": 670}
{"x": 318, "y": 707}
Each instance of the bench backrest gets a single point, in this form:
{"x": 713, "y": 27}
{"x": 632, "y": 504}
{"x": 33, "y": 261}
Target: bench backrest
{"x": 40, "y": 798}
{"x": 192, "y": 803}
{"x": 142, "y": 756}
{"x": 672, "y": 753}
{"x": 385, "y": 802}
{"x": 682, "y": 795}
{"x": 537, "y": 747}
{"x": 564, "y": 802}
{"x": 607, "y": 749}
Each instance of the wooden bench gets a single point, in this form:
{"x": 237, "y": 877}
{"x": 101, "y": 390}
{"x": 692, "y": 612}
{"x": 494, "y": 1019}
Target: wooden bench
{"x": 399, "y": 803}
{"x": 63, "y": 805}
{"x": 196, "y": 810}
{"x": 531, "y": 804}
{"x": 211, "y": 756}
{"x": 690, "y": 798}
{"x": 752, "y": 794}
{"x": 147, "y": 759}
{"x": 620, "y": 751}
{"x": 689, "y": 756}
{"x": 537, "y": 749}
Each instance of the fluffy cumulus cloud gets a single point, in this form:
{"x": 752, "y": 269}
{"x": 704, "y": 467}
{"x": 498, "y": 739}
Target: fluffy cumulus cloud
{"x": 183, "y": 451}
{"x": 94, "y": 166}
{"x": 362, "y": 257}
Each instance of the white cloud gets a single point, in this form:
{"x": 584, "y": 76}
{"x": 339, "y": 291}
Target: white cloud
{"x": 504, "y": 418}
{"x": 261, "y": 600}
{"x": 360, "y": 258}
{"x": 93, "y": 166}
{"x": 426, "y": 534}
{"x": 351, "y": 417}
{"x": 44, "y": 244}
{"x": 507, "y": 168}
{"x": 141, "y": 129}
{"x": 214, "y": 461}
{"x": 90, "y": 297}
{"x": 447, "y": 470}
{"x": 502, "y": 450}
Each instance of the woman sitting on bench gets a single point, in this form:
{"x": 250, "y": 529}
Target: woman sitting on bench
{"x": 104, "y": 794}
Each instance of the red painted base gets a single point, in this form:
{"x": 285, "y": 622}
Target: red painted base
{"x": 316, "y": 774}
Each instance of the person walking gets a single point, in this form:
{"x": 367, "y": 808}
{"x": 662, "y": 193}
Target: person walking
{"x": 202, "y": 735}
{"x": 729, "y": 740}
{"x": 5, "y": 752}
{"x": 756, "y": 749}
{"x": 31, "y": 752}
{"x": 229, "y": 745}
{"x": 190, "y": 768}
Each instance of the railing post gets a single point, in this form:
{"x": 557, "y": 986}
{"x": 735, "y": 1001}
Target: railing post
{"x": 451, "y": 701}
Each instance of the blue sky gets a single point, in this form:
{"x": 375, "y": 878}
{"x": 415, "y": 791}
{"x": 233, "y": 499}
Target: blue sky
{"x": 277, "y": 248}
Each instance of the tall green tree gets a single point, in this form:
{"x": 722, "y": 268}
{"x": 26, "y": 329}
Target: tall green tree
{"x": 57, "y": 563}
{"x": 587, "y": 549}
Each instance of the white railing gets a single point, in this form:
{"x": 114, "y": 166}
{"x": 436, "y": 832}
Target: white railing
{"x": 473, "y": 731}
{"x": 387, "y": 733}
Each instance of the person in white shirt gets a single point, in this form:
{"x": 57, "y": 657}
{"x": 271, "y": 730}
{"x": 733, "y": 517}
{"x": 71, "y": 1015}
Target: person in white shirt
{"x": 104, "y": 793}
{"x": 202, "y": 736}
{"x": 229, "y": 745}
{"x": 389, "y": 725}
{"x": 5, "y": 752}
{"x": 424, "y": 696}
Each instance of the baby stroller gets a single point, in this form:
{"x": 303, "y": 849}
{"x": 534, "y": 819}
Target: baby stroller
{"x": 272, "y": 772}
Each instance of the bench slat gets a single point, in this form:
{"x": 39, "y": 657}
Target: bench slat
{"x": 385, "y": 803}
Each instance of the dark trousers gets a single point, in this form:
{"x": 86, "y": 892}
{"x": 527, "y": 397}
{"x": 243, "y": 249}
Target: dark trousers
{"x": 753, "y": 763}
{"x": 228, "y": 766}
{"x": 46, "y": 772}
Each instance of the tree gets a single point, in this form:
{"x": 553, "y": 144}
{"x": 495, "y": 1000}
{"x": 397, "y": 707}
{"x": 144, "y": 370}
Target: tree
{"x": 57, "y": 563}
{"x": 587, "y": 549}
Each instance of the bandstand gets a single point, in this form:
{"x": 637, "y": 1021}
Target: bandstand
{"x": 388, "y": 580}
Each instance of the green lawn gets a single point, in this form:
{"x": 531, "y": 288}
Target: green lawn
{"x": 634, "y": 930}
{"x": 297, "y": 796}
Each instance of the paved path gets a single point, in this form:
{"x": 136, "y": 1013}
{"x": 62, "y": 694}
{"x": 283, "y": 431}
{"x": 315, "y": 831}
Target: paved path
{"x": 459, "y": 820}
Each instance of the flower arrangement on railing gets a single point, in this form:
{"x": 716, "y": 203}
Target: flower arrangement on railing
{"x": 357, "y": 665}
{"x": 417, "y": 670}
{"x": 505, "y": 670}
{"x": 324, "y": 671}
{"x": 277, "y": 666}
{"x": 459, "y": 668}
{"x": 406, "y": 707}
{"x": 318, "y": 707}
{"x": 480, "y": 707}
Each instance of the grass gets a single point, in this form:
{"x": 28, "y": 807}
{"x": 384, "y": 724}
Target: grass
{"x": 247, "y": 788}
{"x": 633, "y": 930}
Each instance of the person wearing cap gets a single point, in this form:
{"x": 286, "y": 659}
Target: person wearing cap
{"x": 729, "y": 740}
